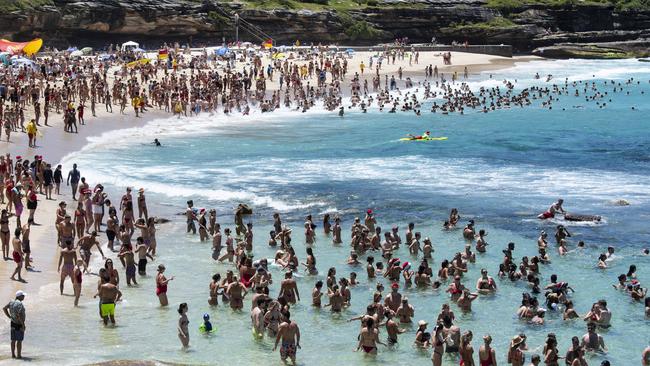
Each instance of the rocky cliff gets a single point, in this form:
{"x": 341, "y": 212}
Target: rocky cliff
{"x": 526, "y": 27}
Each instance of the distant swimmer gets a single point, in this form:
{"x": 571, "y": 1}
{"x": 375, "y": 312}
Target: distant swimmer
{"x": 555, "y": 207}
{"x": 341, "y": 111}
{"x": 424, "y": 136}
{"x": 156, "y": 142}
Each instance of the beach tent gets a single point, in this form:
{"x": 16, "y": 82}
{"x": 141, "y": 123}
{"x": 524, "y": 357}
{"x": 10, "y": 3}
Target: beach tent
{"x": 71, "y": 49}
{"x": 4, "y": 58}
{"x": 138, "y": 49}
{"x": 87, "y": 50}
{"x": 104, "y": 57}
{"x": 28, "y": 48}
{"x": 76, "y": 53}
{"x": 127, "y": 46}
{"x": 222, "y": 51}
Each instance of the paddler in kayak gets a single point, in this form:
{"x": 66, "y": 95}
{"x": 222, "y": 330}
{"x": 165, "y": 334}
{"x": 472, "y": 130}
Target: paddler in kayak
{"x": 555, "y": 207}
{"x": 424, "y": 136}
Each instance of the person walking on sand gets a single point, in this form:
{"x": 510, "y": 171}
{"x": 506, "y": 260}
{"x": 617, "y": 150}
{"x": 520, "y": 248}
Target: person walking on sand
{"x": 161, "y": 285}
{"x": 15, "y": 311}
{"x": 31, "y": 133}
{"x": 17, "y": 255}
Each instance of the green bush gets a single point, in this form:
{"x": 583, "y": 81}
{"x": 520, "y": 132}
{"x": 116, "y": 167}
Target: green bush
{"x": 362, "y": 30}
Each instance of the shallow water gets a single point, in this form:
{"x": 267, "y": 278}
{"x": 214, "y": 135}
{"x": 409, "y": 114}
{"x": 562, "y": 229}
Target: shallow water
{"x": 500, "y": 168}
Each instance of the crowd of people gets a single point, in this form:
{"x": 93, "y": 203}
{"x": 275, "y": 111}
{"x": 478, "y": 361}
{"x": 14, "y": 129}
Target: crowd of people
{"x": 67, "y": 86}
{"x": 129, "y": 226}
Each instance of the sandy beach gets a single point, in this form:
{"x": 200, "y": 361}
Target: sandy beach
{"x": 54, "y": 144}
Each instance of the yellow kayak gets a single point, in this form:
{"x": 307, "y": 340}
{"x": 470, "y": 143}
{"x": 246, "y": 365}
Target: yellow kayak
{"x": 424, "y": 139}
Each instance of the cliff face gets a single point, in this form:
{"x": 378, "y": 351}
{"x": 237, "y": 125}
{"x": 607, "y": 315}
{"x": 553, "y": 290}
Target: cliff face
{"x": 98, "y": 22}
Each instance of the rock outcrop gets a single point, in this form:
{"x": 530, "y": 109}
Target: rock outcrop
{"x": 526, "y": 27}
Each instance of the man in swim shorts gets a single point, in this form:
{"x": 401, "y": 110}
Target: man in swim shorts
{"x": 555, "y": 208}
{"x": 109, "y": 294}
{"x": 17, "y": 254}
{"x": 289, "y": 333}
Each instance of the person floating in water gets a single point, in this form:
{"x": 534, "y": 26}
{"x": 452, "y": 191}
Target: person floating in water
{"x": 156, "y": 142}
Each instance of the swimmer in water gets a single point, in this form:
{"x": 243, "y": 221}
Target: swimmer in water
{"x": 156, "y": 142}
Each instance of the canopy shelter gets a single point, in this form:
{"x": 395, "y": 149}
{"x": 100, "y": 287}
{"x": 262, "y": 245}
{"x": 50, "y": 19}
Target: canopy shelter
{"x": 130, "y": 45}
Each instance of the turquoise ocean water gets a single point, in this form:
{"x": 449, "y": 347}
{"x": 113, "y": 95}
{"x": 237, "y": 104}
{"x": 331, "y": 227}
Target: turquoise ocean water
{"x": 500, "y": 168}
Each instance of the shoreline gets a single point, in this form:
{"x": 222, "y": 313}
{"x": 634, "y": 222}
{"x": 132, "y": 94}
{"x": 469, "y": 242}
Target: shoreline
{"x": 60, "y": 144}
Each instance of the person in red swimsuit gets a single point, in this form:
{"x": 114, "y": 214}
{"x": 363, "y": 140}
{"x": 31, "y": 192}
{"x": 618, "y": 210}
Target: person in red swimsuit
{"x": 486, "y": 355}
{"x": 161, "y": 285}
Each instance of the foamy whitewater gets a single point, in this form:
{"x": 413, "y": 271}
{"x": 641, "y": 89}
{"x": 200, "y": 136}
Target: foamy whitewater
{"x": 500, "y": 168}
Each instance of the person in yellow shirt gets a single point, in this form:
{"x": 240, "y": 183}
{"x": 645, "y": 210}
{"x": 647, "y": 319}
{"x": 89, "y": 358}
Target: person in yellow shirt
{"x": 136, "y": 104}
{"x": 31, "y": 132}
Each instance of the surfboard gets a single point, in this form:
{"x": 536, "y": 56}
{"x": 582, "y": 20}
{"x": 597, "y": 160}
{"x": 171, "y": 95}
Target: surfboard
{"x": 442, "y": 138}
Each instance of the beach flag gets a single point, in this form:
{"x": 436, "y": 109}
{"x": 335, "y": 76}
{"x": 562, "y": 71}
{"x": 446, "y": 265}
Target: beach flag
{"x": 163, "y": 54}
{"x": 268, "y": 44}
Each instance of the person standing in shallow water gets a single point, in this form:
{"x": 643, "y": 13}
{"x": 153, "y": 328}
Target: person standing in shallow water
{"x": 161, "y": 285}
{"x": 289, "y": 334}
{"x": 183, "y": 322}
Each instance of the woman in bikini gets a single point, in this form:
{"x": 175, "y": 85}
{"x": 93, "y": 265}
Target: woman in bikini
{"x": 438, "y": 345}
{"x": 127, "y": 217}
{"x": 151, "y": 228}
{"x": 80, "y": 219}
{"x": 516, "y": 355}
{"x": 213, "y": 300}
{"x": 310, "y": 263}
{"x": 466, "y": 350}
{"x": 551, "y": 357}
{"x": 272, "y": 318}
{"x": 114, "y": 276}
{"x": 327, "y": 227}
{"x": 5, "y": 233}
{"x": 183, "y": 322}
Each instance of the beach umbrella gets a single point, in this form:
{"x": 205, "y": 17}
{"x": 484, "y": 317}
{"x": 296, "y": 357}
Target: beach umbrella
{"x": 138, "y": 49}
{"x": 278, "y": 55}
{"x": 222, "y": 51}
{"x": 71, "y": 49}
{"x": 349, "y": 50}
{"x": 87, "y": 50}
{"x": 76, "y": 54}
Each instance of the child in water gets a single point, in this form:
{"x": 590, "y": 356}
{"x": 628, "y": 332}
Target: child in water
{"x": 206, "y": 327}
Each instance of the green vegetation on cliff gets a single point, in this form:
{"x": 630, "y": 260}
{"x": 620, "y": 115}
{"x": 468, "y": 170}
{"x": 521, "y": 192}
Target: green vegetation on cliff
{"x": 509, "y": 5}
{"x": 496, "y": 22}
{"x": 14, "y": 5}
